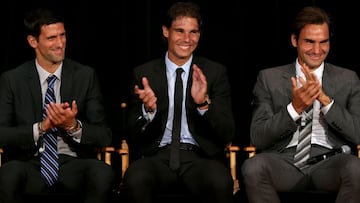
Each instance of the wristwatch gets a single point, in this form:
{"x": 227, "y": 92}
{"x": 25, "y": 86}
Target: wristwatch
{"x": 75, "y": 128}
{"x": 207, "y": 102}
{"x": 40, "y": 129}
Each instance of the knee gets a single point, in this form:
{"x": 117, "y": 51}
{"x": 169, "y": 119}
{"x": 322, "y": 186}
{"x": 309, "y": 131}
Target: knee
{"x": 12, "y": 170}
{"x": 252, "y": 166}
{"x": 352, "y": 168}
{"x": 135, "y": 178}
{"x": 221, "y": 182}
{"x": 102, "y": 176}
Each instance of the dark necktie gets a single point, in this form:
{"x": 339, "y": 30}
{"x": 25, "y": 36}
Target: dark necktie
{"x": 302, "y": 153}
{"x": 176, "y": 130}
{"x": 49, "y": 157}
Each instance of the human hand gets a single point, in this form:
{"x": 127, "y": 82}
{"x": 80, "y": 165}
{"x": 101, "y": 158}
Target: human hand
{"x": 322, "y": 98}
{"x": 304, "y": 96}
{"x": 146, "y": 95}
{"x": 62, "y": 115}
{"x": 199, "y": 85}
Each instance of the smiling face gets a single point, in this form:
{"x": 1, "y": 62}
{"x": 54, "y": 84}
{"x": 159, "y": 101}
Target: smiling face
{"x": 313, "y": 44}
{"x": 49, "y": 46}
{"x": 182, "y": 37}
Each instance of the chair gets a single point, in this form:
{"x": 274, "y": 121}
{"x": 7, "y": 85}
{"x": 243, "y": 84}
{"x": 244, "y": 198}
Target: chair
{"x": 232, "y": 151}
{"x": 300, "y": 197}
{"x": 1, "y": 152}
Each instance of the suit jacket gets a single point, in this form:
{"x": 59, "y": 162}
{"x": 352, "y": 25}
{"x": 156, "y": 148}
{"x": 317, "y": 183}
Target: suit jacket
{"x": 272, "y": 127}
{"x": 21, "y": 107}
{"x": 212, "y": 131}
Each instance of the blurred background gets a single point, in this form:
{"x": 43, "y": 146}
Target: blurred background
{"x": 115, "y": 36}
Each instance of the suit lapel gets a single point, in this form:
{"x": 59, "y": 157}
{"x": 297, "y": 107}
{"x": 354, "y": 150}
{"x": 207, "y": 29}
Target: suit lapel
{"x": 66, "y": 82}
{"x": 161, "y": 81}
{"x": 289, "y": 71}
{"x": 160, "y": 84}
{"x": 36, "y": 95}
{"x": 327, "y": 85}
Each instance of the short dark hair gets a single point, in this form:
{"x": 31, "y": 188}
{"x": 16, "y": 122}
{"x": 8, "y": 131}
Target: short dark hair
{"x": 309, "y": 15}
{"x": 35, "y": 19}
{"x": 180, "y": 9}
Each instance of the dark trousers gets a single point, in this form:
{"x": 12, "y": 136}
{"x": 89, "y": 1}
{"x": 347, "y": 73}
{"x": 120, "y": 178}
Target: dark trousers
{"x": 207, "y": 180}
{"x": 266, "y": 174}
{"x": 92, "y": 180}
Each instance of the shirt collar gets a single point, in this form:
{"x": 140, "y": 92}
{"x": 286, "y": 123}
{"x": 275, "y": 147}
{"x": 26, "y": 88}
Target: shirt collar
{"x": 43, "y": 74}
{"x": 171, "y": 66}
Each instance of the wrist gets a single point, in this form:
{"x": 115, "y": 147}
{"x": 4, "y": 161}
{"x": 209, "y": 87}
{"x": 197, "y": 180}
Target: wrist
{"x": 206, "y": 103}
{"x": 40, "y": 129}
{"x": 148, "y": 110}
{"x": 204, "y": 107}
{"x": 74, "y": 128}
{"x": 326, "y": 100}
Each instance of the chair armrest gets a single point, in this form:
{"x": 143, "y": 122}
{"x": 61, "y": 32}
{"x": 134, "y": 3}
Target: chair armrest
{"x": 231, "y": 152}
{"x": 124, "y": 153}
{"x": 251, "y": 150}
{"x": 105, "y": 154}
{"x": 1, "y": 152}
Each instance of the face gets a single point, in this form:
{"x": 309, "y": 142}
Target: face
{"x": 183, "y": 37}
{"x": 313, "y": 45}
{"x": 50, "y": 47}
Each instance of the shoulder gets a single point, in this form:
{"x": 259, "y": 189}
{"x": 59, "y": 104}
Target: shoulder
{"x": 340, "y": 74}
{"x": 76, "y": 68}
{"x": 70, "y": 63}
{"x": 21, "y": 70}
{"x": 279, "y": 71}
{"x": 334, "y": 69}
{"x": 154, "y": 64}
{"x": 204, "y": 62}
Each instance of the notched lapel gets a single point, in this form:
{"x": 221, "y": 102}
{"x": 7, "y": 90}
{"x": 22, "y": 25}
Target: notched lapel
{"x": 36, "y": 95}
{"x": 67, "y": 83}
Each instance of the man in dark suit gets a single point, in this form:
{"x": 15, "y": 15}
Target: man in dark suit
{"x": 77, "y": 117}
{"x": 207, "y": 124}
{"x": 282, "y": 96}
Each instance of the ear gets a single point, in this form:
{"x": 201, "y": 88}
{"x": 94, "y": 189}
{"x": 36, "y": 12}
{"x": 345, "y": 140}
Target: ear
{"x": 165, "y": 31}
{"x": 293, "y": 40}
{"x": 32, "y": 41}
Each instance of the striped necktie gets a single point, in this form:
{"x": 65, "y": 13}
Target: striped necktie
{"x": 49, "y": 157}
{"x": 302, "y": 153}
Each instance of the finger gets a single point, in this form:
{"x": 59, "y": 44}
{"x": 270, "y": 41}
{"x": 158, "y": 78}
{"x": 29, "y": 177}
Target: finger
{"x": 59, "y": 108}
{"x": 197, "y": 70}
{"x": 152, "y": 103}
{"x": 145, "y": 82}
{"x": 51, "y": 115}
{"x": 294, "y": 83}
{"x": 136, "y": 89}
{"x": 313, "y": 77}
{"x": 302, "y": 81}
{"x": 306, "y": 72}
{"x": 196, "y": 67}
{"x": 74, "y": 107}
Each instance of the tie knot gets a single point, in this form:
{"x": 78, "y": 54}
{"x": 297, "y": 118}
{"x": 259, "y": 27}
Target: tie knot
{"x": 179, "y": 71}
{"x": 51, "y": 79}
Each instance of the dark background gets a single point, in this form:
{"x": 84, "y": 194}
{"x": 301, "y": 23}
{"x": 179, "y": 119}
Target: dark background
{"x": 115, "y": 36}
